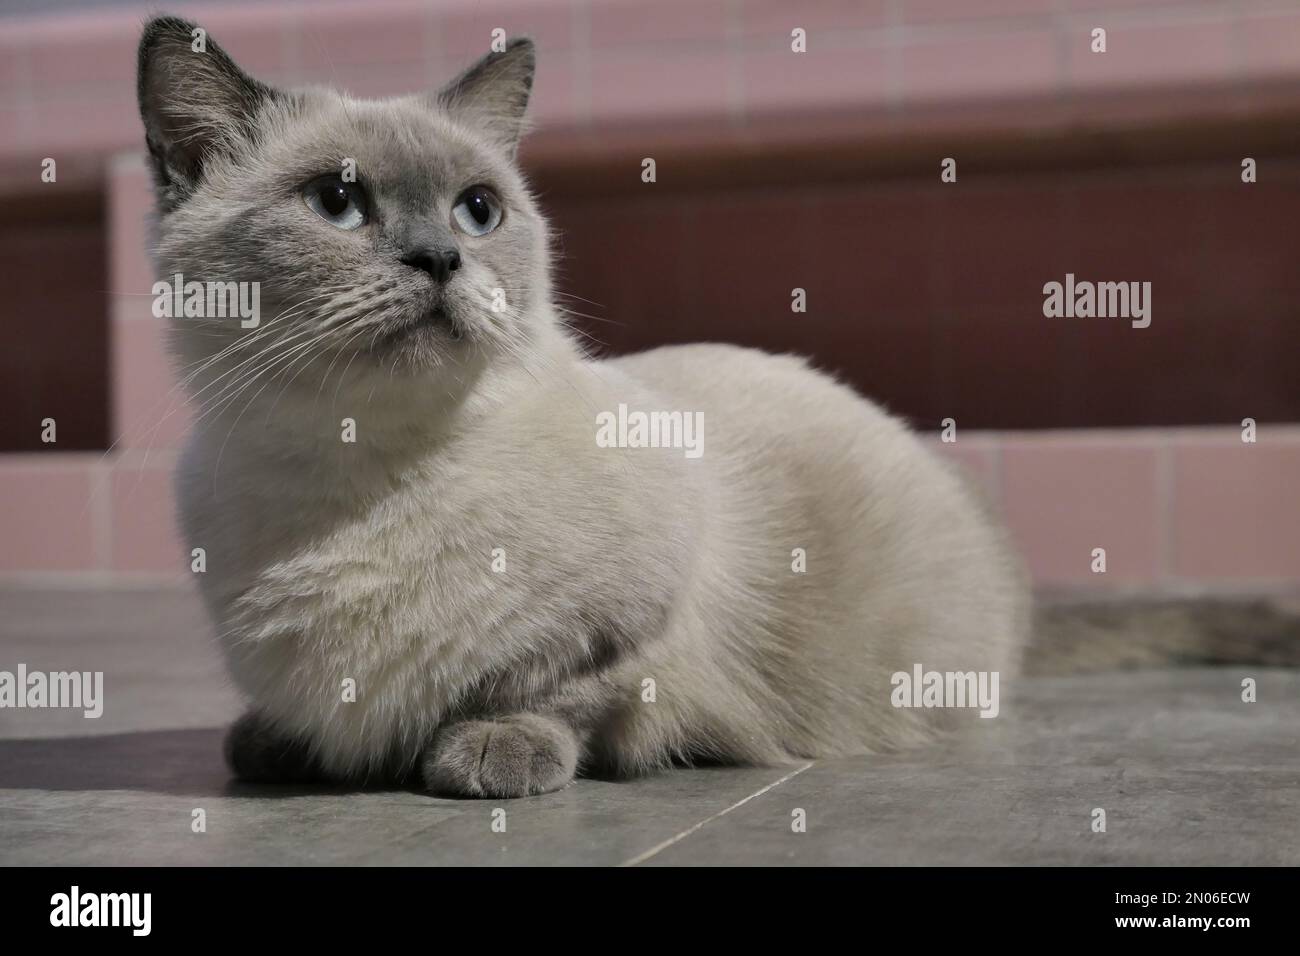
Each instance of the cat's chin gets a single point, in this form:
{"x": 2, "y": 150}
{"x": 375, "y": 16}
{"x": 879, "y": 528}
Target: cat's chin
{"x": 427, "y": 341}
{"x": 435, "y": 325}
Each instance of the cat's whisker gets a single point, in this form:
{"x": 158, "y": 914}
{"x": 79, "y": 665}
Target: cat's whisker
{"x": 344, "y": 374}
{"x": 248, "y": 365}
{"x": 216, "y": 469}
{"x": 570, "y": 295}
{"x": 249, "y": 371}
{"x": 301, "y": 341}
{"x": 309, "y": 359}
{"x": 171, "y": 396}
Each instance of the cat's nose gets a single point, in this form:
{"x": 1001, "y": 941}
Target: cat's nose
{"x": 439, "y": 263}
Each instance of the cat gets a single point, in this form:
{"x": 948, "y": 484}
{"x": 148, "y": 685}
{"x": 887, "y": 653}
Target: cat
{"x": 423, "y": 565}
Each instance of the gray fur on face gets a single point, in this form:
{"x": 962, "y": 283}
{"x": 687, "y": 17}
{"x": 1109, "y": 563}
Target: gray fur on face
{"x": 231, "y": 159}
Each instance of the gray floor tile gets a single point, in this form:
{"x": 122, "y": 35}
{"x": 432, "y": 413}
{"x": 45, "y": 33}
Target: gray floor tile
{"x": 1187, "y": 774}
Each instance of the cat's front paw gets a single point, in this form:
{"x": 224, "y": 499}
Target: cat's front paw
{"x": 510, "y": 757}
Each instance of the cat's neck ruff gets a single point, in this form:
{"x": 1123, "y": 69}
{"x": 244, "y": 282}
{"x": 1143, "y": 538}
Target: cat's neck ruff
{"x": 366, "y": 420}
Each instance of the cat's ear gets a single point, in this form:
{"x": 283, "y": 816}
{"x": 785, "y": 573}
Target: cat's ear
{"x": 492, "y": 95}
{"x": 194, "y": 101}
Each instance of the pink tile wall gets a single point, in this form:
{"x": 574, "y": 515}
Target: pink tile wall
{"x": 1235, "y": 508}
{"x": 994, "y": 64}
{"x": 143, "y": 534}
{"x": 633, "y": 86}
{"x": 1172, "y": 508}
{"x": 88, "y": 515}
{"x": 1063, "y": 497}
{"x": 1153, "y": 54}
{"x": 1175, "y": 509}
{"x": 946, "y": 11}
{"x": 66, "y": 83}
{"x": 977, "y": 454}
{"x": 148, "y": 412}
{"x": 1269, "y": 40}
{"x": 48, "y": 521}
{"x": 836, "y": 79}
{"x": 110, "y": 514}
{"x": 130, "y": 202}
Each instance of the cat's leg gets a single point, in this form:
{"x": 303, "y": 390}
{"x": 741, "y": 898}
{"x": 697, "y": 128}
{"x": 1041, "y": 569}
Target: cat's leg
{"x": 508, "y": 756}
{"x": 258, "y": 753}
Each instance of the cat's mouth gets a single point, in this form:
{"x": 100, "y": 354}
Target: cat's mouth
{"x": 433, "y": 322}
{"x": 438, "y": 319}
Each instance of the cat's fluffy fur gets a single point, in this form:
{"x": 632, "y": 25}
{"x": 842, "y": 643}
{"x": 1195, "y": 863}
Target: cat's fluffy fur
{"x": 330, "y": 561}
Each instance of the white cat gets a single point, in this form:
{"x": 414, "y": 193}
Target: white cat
{"x": 420, "y": 559}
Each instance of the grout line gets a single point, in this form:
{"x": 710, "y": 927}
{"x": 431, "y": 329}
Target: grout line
{"x": 733, "y": 43}
{"x": 1064, "y": 67}
{"x": 434, "y": 55}
{"x": 580, "y": 57}
{"x": 659, "y": 848}
{"x": 101, "y": 515}
{"x": 897, "y": 31}
{"x": 996, "y": 466}
{"x": 1166, "y": 490}
{"x": 106, "y": 579}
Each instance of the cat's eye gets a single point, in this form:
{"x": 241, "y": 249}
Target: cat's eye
{"x": 477, "y": 212}
{"x": 339, "y": 203}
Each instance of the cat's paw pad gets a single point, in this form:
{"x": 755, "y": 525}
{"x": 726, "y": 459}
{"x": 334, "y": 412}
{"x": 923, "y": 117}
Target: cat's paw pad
{"x": 512, "y": 757}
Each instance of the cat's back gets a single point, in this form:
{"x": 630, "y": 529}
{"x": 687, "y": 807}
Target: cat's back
{"x": 810, "y": 468}
{"x": 712, "y": 370}
{"x": 752, "y": 399}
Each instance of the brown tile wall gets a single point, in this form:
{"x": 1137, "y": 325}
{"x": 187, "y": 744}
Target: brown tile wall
{"x": 54, "y": 332}
{"x": 928, "y": 296}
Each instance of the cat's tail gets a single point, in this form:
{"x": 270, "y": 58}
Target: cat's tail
{"x": 1078, "y": 637}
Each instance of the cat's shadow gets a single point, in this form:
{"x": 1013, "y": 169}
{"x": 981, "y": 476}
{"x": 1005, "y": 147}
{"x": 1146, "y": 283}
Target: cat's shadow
{"x": 173, "y": 762}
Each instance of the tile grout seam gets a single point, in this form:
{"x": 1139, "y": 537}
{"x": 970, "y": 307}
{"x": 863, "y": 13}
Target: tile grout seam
{"x": 659, "y": 848}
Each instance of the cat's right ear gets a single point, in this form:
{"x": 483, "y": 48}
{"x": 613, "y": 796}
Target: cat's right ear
{"x": 492, "y": 95}
{"x": 194, "y": 100}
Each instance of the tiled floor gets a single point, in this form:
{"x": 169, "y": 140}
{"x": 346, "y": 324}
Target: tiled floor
{"x": 1186, "y": 772}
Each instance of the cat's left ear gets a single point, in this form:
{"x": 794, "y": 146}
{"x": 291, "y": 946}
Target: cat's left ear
{"x": 195, "y": 102}
{"x": 492, "y": 95}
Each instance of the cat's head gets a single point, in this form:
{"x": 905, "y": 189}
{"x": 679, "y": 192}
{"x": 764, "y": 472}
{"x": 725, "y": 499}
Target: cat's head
{"x": 393, "y": 235}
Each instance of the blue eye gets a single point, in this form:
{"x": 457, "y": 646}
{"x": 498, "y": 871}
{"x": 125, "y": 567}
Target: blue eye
{"x": 340, "y": 204}
{"x": 477, "y": 211}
